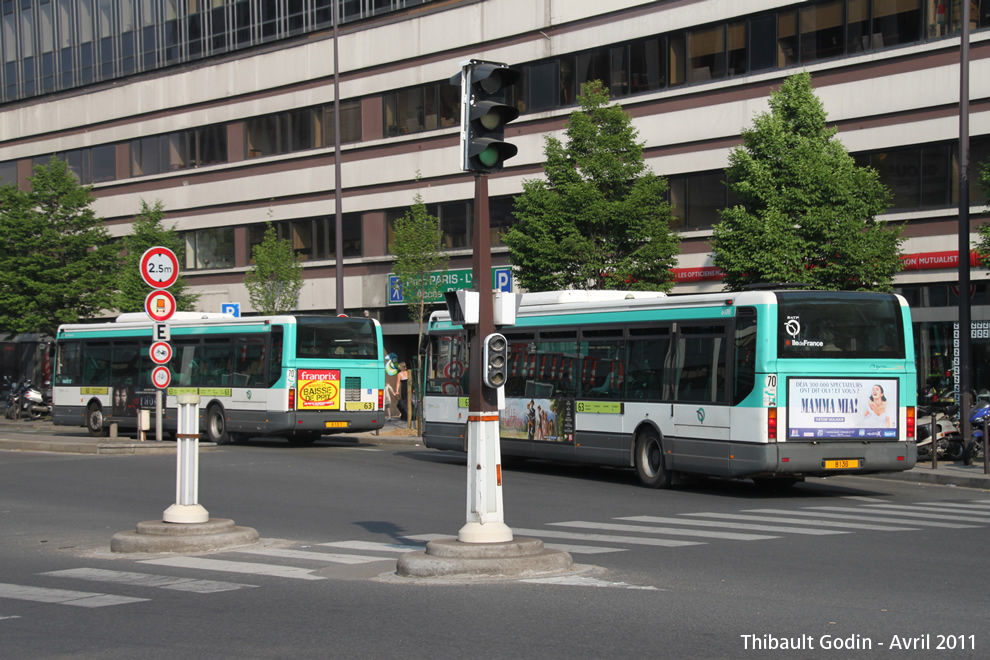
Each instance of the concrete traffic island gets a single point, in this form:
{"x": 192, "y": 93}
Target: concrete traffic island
{"x": 520, "y": 557}
{"x": 154, "y": 536}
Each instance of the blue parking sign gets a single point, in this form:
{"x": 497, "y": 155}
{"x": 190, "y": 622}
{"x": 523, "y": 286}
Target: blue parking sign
{"x": 232, "y": 308}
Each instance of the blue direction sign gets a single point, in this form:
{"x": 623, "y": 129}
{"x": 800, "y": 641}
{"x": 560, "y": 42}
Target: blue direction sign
{"x": 450, "y": 280}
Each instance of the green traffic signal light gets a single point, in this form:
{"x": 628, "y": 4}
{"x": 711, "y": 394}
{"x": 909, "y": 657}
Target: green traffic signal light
{"x": 484, "y": 114}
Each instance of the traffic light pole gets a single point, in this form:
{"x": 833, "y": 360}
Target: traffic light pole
{"x": 485, "y": 523}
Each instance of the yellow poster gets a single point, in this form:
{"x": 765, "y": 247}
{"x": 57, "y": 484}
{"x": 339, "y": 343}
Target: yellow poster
{"x": 319, "y": 389}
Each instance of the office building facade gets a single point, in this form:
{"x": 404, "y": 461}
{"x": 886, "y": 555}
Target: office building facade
{"x": 224, "y": 111}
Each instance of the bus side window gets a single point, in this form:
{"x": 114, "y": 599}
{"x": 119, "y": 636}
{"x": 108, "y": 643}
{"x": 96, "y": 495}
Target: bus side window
{"x": 648, "y": 349}
{"x": 744, "y": 365}
{"x": 68, "y": 364}
{"x": 96, "y": 363}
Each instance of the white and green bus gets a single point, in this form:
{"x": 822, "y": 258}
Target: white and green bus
{"x": 293, "y": 376}
{"x": 769, "y": 384}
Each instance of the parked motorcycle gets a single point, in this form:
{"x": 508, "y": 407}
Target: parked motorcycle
{"x": 947, "y": 441}
{"x": 977, "y": 416}
{"x": 34, "y": 404}
{"x": 12, "y": 410}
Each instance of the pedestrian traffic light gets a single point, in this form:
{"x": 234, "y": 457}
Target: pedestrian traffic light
{"x": 484, "y": 114}
{"x": 496, "y": 358}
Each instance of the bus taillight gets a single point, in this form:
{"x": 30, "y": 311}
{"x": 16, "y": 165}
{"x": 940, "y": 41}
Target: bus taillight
{"x": 381, "y": 399}
{"x": 910, "y": 422}
{"x": 292, "y": 398}
{"x": 771, "y": 423}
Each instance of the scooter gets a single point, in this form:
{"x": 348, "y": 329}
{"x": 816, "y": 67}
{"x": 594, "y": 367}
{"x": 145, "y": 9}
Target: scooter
{"x": 34, "y": 404}
{"x": 977, "y": 417}
{"x": 948, "y": 441}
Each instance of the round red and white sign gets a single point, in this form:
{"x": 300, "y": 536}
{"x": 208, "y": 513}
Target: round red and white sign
{"x": 159, "y": 267}
{"x": 160, "y": 352}
{"x": 159, "y": 305}
{"x": 161, "y": 377}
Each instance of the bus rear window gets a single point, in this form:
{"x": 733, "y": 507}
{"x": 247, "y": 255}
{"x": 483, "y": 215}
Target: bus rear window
{"x": 324, "y": 338}
{"x": 829, "y": 325}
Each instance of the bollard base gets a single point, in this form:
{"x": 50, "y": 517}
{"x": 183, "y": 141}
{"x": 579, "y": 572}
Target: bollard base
{"x": 450, "y": 558}
{"x": 186, "y": 513}
{"x": 493, "y": 532}
{"x": 155, "y": 536}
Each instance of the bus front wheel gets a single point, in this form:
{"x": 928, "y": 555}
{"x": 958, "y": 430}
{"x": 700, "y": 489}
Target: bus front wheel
{"x": 649, "y": 461}
{"x": 94, "y": 421}
{"x": 216, "y": 426}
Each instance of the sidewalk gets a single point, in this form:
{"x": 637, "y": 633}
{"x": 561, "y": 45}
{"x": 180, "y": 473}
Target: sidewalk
{"x": 42, "y": 435}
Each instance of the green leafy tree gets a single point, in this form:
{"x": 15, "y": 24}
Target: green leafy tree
{"x": 599, "y": 219}
{"x": 277, "y": 277}
{"x": 148, "y": 231}
{"x": 416, "y": 244}
{"x": 983, "y": 243}
{"x": 59, "y": 264}
{"x": 808, "y": 213}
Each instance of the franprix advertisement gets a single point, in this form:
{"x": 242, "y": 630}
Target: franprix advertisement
{"x": 319, "y": 389}
{"x": 842, "y": 408}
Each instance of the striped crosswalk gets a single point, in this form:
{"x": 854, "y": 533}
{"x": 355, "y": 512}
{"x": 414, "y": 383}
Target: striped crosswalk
{"x": 645, "y": 533}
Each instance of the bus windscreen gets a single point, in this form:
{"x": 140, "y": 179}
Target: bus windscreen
{"x": 344, "y": 339}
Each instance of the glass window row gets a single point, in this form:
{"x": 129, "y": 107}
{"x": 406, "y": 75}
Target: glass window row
{"x": 51, "y": 45}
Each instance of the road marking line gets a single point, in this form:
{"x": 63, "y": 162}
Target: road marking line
{"x": 63, "y": 596}
{"x": 799, "y": 521}
{"x": 970, "y": 505}
{"x": 612, "y": 527}
{"x": 582, "y": 549}
{"x": 148, "y": 580}
{"x": 312, "y": 556}
{"x": 843, "y": 516}
{"x": 579, "y": 581}
{"x": 235, "y": 567}
{"x": 863, "y": 498}
{"x": 374, "y": 545}
{"x": 907, "y": 514}
{"x": 950, "y": 508}
{"x": 604, "y": 538}
{"x": 712, "y": 523}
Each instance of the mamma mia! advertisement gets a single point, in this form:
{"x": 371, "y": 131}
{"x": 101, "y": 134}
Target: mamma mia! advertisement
{"x": 842, "y": 408}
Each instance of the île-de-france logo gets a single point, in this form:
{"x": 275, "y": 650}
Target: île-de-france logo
{"x": 701, "y": 415}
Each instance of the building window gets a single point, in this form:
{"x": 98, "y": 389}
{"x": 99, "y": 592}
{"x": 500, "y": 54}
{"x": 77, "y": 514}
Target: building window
{"x": 8, "y": 173}
{"x": 89, "y": 165}
{"x": 697, "y": 198}
{"x": 350, "y": 122}
{"x": 212, "y": 247}
{"x": 313, "y": 238}
{"x": 179, "y": 150}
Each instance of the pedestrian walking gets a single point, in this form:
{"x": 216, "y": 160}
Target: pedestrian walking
{"x": 403, "y": 402}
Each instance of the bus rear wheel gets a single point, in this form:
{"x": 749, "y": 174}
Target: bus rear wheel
{"x": 216, "y": 426}
{"x": 94, "y": 421}
{"x": 649, "y": 461}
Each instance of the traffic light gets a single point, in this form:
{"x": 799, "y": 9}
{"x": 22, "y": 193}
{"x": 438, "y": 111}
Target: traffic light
{"x": 496, "y": 358}
{"x": 484, "y": 115}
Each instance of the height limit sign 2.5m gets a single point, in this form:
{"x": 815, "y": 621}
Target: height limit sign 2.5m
{"x": 159, "y": 267}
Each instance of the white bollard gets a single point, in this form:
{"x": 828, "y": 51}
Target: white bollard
{"x": 186, "y": 508}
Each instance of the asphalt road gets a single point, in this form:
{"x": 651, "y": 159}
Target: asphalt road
{"x": 713, "y": 569}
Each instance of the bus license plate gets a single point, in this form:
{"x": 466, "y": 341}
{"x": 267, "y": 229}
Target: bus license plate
{"x": 336, "y": 425}
{"x": 845, "y": 464}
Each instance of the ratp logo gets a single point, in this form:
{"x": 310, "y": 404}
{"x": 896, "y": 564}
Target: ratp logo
{"x": 792, "y": 327}
{"x": 701, "y": 415}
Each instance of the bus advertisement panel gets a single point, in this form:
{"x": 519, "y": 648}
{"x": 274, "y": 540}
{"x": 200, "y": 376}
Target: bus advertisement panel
{"x": 828, "y": 408}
